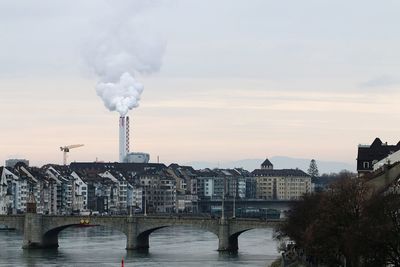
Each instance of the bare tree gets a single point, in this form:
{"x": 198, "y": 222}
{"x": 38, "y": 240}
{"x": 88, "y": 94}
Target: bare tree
{"x": 337, "y": 224}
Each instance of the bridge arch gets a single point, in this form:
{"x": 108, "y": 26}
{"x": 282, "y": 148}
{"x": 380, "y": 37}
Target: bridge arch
{"x": 153, "y": 224}
{"x": 50, "y": 238}
{"x": 147, "y": 225}
{"x": 143, "y": 238}
{"x": 236, "y": 228}
{"x": 145, "y": 231}
{"x": 53, "y": 225}
{"x": 234, "y": 239}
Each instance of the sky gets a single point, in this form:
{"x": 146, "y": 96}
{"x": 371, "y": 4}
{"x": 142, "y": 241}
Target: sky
{"x": 223, "y": 80}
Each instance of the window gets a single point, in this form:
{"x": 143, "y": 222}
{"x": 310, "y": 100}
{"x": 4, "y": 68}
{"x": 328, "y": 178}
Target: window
{"x": 366, "y": 165}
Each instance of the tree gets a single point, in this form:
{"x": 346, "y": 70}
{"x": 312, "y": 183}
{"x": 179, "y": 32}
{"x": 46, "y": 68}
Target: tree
{"x": 301, "y": 215}
{"x": 382, "y": 231}
{"x": 327, "y": 225}
{"x": 346, "y": 222}
{"x": 313, "y": 169}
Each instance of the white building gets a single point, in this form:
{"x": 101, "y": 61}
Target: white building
{"x": 16, "y": 198}
{"x": 16, "y": 185}
{"x": 134, "y": 198}
{"x": 4, "y": 200}
{"x": 80, "y": 193}
{"x": 64, "y": 187}
{"x": 118, "y": 201}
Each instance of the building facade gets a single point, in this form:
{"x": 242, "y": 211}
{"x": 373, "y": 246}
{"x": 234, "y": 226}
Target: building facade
{"x": 369, "y": 155}
{"x": 284, "y": 184}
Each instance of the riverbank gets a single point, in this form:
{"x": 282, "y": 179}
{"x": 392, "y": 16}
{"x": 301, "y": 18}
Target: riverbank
{"x": 276, "y": 263}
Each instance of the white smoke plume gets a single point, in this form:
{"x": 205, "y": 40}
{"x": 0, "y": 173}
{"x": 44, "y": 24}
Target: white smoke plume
{"x": 122, "y": 95}
{"x": 128, "y": 45}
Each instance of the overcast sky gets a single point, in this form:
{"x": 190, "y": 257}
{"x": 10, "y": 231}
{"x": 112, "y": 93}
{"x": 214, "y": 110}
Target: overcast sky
{"x": 229, "y": 80}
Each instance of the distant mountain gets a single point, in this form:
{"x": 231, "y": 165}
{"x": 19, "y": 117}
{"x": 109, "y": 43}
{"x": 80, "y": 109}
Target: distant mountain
{"x": 279, "y": 162}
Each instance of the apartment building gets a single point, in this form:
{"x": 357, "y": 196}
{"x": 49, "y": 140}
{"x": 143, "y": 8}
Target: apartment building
{"x": 284, "y": 184}
{"x": 369, "y": 155}
{"x": 159, "y": 191}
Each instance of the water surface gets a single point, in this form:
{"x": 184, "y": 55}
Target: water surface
{"x": 172, "y": 246}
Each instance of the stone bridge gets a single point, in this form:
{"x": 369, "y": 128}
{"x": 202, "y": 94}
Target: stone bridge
{"x": 41, "y": 231}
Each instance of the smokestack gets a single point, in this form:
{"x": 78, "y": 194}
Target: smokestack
{"x": 127, "y": 136}
{"x": 122, "y": 138}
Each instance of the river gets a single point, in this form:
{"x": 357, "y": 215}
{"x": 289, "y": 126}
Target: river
{"x": 172, "y": 246}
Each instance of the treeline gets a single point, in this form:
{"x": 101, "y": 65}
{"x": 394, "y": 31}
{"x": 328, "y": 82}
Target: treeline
{"x": 346, "y": 225}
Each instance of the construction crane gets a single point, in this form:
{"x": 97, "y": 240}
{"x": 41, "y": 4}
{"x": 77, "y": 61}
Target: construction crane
{"x": 66, "y": 149}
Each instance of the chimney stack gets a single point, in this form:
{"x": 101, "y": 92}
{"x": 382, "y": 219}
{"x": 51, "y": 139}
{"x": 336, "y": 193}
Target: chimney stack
{"x": 127, "y": 136}
{"x": 122, "y": 138}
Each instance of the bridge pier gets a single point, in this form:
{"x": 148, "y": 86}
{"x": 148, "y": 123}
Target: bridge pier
{"x": 33, "y": 234}
{"x": 226, "y": 241}
{"x": 136, "y": 240}
{"x": 33, "y": 229}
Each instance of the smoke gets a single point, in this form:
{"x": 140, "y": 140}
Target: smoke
{"x": 122, "y": 95}
{"x": 128, "y": 44}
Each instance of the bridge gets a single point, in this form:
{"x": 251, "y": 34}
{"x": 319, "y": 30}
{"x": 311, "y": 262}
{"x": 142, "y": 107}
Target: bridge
{"x": 41, "y": 231}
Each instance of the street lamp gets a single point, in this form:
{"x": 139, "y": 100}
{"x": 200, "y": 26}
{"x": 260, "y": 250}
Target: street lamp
{"x": 145, "y": 208}
{"x": 223, "y": 200}
{"x": 234, "y": 206}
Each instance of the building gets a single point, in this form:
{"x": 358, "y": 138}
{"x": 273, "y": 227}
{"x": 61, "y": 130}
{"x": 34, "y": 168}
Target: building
{"x": 389, "y": 160}
{"x": 64, "y": 186}
{"x": 119, "y": 193}
{"x": 10, "y": 163}
{"x": 267, "y": 165}
{"x": 159, "y": 191}
{"x": 186, "y": 187}
{"x": 135, "y": 199}
{"x": 99, "y": 193}
{"x": 368, "y": 155}
{"x": 137, "y": 157}
{"x": 284, "y": 184}
{"x": 80, "y": 193}
{"x": 5, "y": 192}
{"x": 251, "y": 187}
{"x": 223, "y": 183}
{"x": 17, "y": 183}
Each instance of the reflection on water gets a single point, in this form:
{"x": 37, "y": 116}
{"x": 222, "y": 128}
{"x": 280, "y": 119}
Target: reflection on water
{"x": 173, "y": 246}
